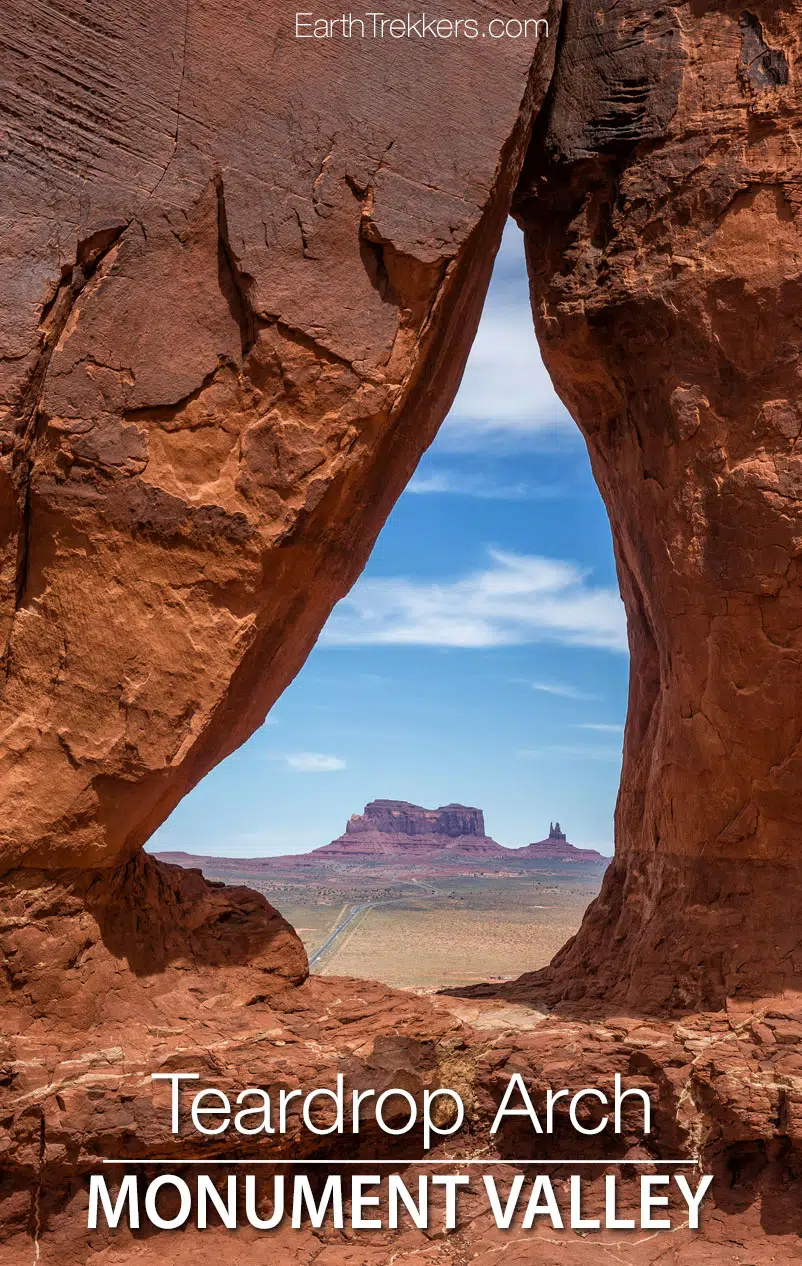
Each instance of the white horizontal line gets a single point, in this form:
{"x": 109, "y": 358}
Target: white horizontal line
{"x": 542, "y": 1160}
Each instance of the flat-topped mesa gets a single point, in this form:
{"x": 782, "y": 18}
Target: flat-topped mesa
{"x": 556, "y": 848}
{"x": 395, "y": 827}
{"x": 394, "y": 816}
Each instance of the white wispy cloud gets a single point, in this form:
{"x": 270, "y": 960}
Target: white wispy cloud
{"x": 313, "y": 762}
{"x": 453, "y": 483}
{"x": 516, "y": 599}
{"x": 443, "y": 482}
{"x": 505, "y": 388}
{"x": 506, "y": 391}
{"x": 574, "y": 751}
{"x": 557, "y": 688}
{"x": 599, "y": 727}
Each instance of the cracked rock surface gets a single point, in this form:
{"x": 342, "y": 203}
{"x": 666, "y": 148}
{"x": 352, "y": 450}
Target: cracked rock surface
{"x": 240, "y": 276}
{"x": 663, "y": 215}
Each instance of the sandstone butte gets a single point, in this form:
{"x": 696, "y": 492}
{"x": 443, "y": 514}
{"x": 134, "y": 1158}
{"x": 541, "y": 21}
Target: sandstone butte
{"x": 393, "y": 828}
{"x": 396, "y": 831}
{"x": 556, "y": 848}
{"x": 240, "y": 277}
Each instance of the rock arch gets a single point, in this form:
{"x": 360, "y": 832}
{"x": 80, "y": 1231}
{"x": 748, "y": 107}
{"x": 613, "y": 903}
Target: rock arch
{"x": 241, "y": 273}
{"x": 221, "y": 380}
{"x": 226, "y": 348}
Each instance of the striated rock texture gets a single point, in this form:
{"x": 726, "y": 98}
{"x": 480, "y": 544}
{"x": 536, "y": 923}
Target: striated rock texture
{"x": 556, "y": 848}
{"x": 662, "y": 205}
{"x": 241, "y": 273}
{"x": 395, "y": 828}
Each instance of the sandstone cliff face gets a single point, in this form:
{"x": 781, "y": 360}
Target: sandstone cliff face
{"x": 241, "y": 273}
{"x": 393, "y": 827}
{"x": 662, "y": 210}
{"x": 398, "y": 816}
{"x": 236, "y": 304}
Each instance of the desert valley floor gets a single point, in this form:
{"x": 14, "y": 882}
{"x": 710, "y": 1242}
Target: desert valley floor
{"x": 429, "y": 932}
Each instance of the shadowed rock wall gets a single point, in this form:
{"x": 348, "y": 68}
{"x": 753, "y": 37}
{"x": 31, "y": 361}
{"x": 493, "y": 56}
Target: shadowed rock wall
{"x": 662, "y": 204}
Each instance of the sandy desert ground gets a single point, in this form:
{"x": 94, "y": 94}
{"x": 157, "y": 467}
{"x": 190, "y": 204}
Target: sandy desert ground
{"x": 434, "y": 933}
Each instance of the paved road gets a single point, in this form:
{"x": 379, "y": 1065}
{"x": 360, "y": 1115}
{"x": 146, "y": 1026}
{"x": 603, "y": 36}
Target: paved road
{"x": 338, "y": 931}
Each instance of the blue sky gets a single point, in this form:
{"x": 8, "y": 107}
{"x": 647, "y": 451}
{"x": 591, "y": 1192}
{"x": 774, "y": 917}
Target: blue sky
{"x": 481, "y": 658}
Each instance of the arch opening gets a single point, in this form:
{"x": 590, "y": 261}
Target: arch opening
{"x": 481, "y": 659}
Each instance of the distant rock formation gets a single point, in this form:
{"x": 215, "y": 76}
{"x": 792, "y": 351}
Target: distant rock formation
{"x": 392, "y": 827}
{"x": 557, "y": 849}
{"x": 399, "y": 831}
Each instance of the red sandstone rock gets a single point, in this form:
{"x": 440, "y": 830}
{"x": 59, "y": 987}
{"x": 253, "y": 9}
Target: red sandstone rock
{"x": 108, "y": 979}
{"x": 716, "y": 1084}
{"x": 662, "y": 210}
{"x": 393, "y": 828}
{"x": 557, "y": 849}
{"x": 240, "y": 276}
{"x": 398, "y": 832}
